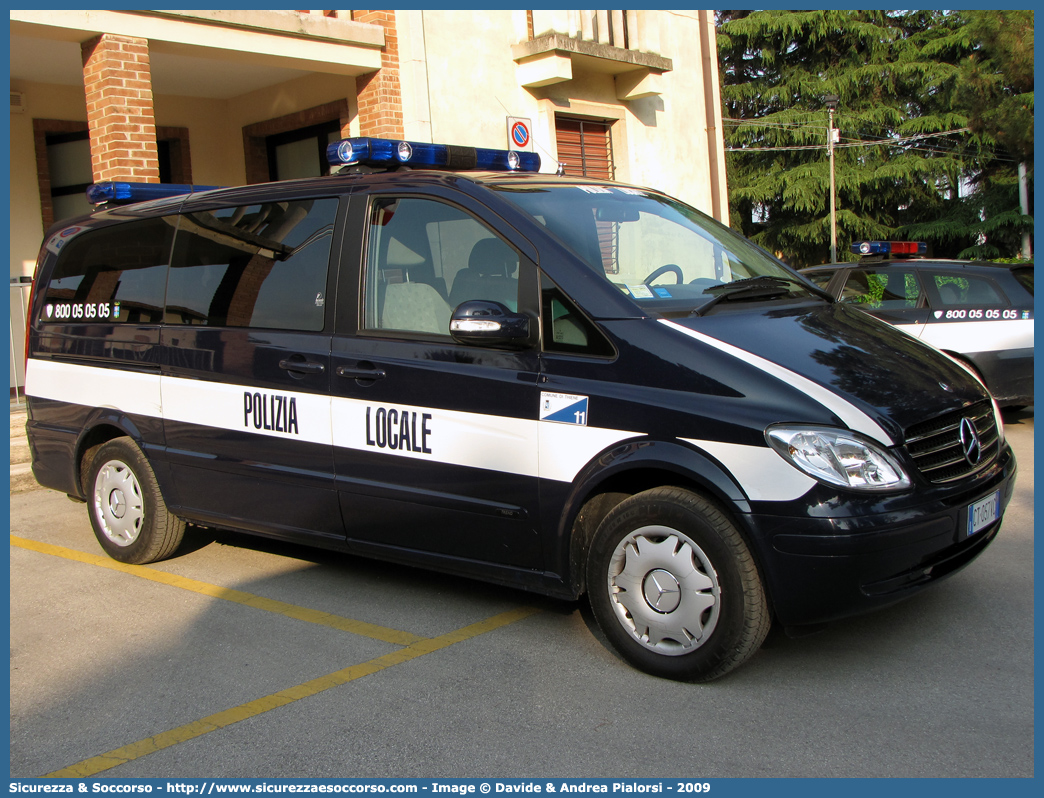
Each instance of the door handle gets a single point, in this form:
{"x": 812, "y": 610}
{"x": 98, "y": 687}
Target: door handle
{"x": 360, "y": 373}
{"x": 302, "y": 366}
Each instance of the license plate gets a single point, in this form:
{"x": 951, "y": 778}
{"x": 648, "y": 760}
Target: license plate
{"x": 983, "y": 513}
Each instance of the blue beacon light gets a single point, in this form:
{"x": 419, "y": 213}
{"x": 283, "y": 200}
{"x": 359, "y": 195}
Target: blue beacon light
{"x": 421, "y": 155}
{"x": 123, "y": 193}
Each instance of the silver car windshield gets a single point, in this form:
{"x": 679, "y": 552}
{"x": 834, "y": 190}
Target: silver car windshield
{"x": 665, "y": 255}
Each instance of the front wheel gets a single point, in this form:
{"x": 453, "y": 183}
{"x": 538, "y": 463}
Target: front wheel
{"x": 674, "y": 587}
{"x": 127, "y": 511}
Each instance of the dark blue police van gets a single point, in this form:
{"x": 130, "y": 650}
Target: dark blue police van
{"x": 441, "y": 357}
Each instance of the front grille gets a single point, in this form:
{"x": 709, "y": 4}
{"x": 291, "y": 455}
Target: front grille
{"x": 935, "y": 445}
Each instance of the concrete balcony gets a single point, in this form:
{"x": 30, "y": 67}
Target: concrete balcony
{"x": 618, "y": 43}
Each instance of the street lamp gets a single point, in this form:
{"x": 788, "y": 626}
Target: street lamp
{"x": 831, "y": 104}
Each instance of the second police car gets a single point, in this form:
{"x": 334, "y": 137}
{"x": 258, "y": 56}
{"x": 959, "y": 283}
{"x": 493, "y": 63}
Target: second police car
{"x": 979, "y": 312}
{"x": 441, "y": 357}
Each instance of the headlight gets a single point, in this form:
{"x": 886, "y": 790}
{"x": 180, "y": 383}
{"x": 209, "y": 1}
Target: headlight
{"x": 838, "y": 457}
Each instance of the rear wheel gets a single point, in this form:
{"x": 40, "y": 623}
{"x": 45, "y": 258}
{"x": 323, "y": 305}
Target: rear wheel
{"x": 674, "y": 587}
{"x": 128, "y": 514}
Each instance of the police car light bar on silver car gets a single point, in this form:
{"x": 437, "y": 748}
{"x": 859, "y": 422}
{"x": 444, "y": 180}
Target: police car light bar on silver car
{"x": 889, "y": 248}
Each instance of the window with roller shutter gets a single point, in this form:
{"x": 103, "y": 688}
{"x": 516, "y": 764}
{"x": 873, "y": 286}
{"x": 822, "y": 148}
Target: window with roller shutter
{"x": 585, "y": 147}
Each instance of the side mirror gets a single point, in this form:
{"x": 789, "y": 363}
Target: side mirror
{"x": 483, "y": 322}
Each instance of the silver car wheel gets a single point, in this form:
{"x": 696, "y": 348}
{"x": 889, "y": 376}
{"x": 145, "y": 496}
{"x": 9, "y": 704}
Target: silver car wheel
{"x": 664, "y": 590}
{"x": 118, "y": 504}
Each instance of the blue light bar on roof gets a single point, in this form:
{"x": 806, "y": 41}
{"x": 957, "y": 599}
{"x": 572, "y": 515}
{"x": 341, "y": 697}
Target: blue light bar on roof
{"x": 889, "y": 248}
{"x": 122, "y": 193}
{"x": 419, "y": 155}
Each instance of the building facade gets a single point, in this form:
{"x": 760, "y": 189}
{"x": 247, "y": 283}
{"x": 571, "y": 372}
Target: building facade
{"x": 234, "y": 97}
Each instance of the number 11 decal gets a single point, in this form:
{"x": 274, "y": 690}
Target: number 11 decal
{"x": 563, "y": 408}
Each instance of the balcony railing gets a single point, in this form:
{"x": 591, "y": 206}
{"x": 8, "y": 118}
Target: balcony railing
{"x": 623, "y": 29}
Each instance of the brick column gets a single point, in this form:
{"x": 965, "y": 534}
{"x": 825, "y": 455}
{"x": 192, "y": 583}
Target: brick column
{"x": 120, "y": 116}
{"x": 380, "y": 96}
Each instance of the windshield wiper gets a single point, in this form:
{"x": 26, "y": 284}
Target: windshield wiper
{"x": 765, "y": 286}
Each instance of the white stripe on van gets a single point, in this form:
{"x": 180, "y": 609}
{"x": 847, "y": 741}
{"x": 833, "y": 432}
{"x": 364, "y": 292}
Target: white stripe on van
{"x": 760, "y": 471}
{"x": 246, "y": 409}
{"x": 851, "y": 415}
{"x": 527, "y": 447}
{"x": 133, "y": 392}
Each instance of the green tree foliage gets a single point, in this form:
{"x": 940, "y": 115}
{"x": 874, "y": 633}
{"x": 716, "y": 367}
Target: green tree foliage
{"x": 905, "y": 83}
{"x": 997, "y": 79}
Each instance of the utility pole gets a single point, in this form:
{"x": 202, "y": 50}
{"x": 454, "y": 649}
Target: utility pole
{"x": 1027, "y": 248}
{"x": 831, "y": 104}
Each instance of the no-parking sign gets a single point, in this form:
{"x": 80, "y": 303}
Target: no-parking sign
{"x": 520, "y": 135}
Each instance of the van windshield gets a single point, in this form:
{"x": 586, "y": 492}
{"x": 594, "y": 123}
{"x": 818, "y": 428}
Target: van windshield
{"x": 662, "y": 253}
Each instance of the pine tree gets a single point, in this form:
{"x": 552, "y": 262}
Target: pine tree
{"x": 997, "y": 79}
{"x": 996, "y": 87}
{"x": 899, "y": 167}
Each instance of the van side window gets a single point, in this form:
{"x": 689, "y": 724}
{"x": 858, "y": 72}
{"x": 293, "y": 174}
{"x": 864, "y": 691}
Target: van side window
{"x": 253, "y": 266}
{"x": 115, "y": 274}
{"x": 822, "y": 279}
{"x": 566, "y": 329}
{"x": 426, "y": 257}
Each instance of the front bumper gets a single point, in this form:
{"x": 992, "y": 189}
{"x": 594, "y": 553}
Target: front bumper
{"x": 822, "y": 569}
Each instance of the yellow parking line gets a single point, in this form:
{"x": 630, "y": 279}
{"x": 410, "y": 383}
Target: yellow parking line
{"x": 219, "y": 720}
{"x": 216, "y": 591}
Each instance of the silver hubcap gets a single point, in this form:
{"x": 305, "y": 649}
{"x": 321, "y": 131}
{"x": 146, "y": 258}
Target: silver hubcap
{"x": 664, "y": 590}
{"x": 118, "y": 504}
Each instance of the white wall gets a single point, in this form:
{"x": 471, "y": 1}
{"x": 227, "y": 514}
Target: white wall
{"x": 470, "y": 87}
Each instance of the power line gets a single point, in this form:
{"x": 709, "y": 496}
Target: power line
{"x": 763, "y": 123}
{"x": 812, "y": 127}
{"x": 890, "y": 142}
